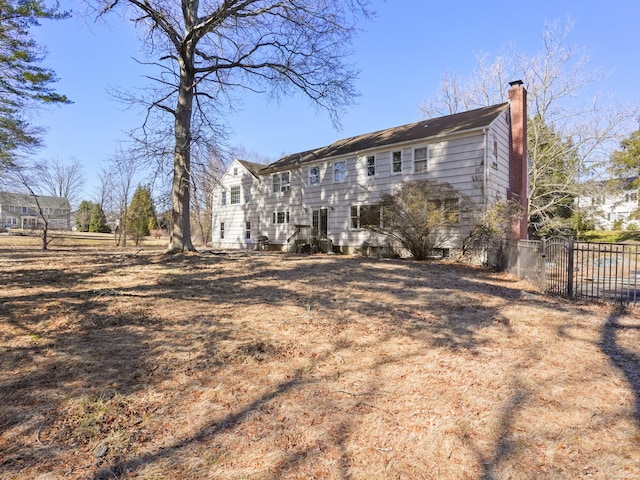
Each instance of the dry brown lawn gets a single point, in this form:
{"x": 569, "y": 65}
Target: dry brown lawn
{"x": 132, "y": 364}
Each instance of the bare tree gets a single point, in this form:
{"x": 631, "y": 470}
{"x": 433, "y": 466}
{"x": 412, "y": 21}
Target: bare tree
{"x": 26, "y": 176}
{"x": 204, "y": 50}
{"x": 61, "y": 180}
{"x": 204, "y": 177}
{"x": 420, "y": 216}
{"x": 569, "y": 138}
{"x": 122, "y": 174}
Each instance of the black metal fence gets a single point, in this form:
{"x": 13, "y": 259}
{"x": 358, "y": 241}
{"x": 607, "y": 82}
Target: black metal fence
{"x": 599, "y": 271}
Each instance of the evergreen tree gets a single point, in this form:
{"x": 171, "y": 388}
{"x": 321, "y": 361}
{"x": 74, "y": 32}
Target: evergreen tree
{"x": 625, "y": 166}
{"x": 625, "y": 162}
{"x": 98, "y": 222}
{"x": 140, "y": 214}
{"x": 24, "y": 82}
{"x": 83, "y": 215}
{"x": 553, "y": 176}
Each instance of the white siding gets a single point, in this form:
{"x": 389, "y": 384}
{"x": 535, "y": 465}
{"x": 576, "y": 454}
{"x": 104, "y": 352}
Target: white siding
{"x": 465, "y": 161}
{"x": 235, "y": 216}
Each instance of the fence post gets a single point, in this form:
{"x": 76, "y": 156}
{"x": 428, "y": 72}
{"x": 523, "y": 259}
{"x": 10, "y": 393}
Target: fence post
{"x": 543, "y": 270}
{"x": 570, "y": 249}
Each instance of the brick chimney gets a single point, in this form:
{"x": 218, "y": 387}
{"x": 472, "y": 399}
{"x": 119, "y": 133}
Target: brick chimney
{"x": 518, "y": 157}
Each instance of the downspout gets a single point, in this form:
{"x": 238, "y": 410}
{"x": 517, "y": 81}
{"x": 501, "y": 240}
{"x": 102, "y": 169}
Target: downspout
{"x": 486, "y": 170}
{"x": 485, "y": 199}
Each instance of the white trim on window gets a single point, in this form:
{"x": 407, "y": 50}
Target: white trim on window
{"x": 234, "y": 195}
{"x": 370, "y": 164}
{"x": 339, "y": 171}
{"x": 396, "y": 161}
{"x": 421, "y": 159}
{"x": 280, "y": 182}
{"x": 314, "y": 175}
{"x": 361, "y": 215}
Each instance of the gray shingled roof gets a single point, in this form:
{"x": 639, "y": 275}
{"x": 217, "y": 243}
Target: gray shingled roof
{"x": 253, "y": 167}
{"x": 458, "y": 122}
{"x": 23, "y": 200}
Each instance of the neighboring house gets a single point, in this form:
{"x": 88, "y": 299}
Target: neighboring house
{"x": 611, "y": 204}
{"x": 480, "y": 153}
{"x": 20, "y": 211}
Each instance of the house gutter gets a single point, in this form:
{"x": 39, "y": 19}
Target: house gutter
{"x": 268, "y": 170}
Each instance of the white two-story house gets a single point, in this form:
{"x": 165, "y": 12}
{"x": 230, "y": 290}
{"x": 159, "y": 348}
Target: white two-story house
{"x": 480, "y": 153}
{"x": 611, "y": 204}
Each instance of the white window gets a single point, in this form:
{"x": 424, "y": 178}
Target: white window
{"x": 280, "y": 217}
{"x": 363, "y": 216}
{"x": 235, "y": 195}
{"x": 340, "y": 171}
{"x": 221, "y": 230}
{"x": 280, "y": 182}
{"x": 25, "y": 210}
{"x": 235, "y": 171}
{"x": 494, "y": 163}
{"x": 12, "y": 221}
{"x": 247, "y": 231}
{"x": 223, "y": 200}
{"x": 371, "y": 165}
{"x": 314, "y": 175}
{"x": 247, "y": 195}
{"x": 396, "y": 158}
{"x": 631, "y": 197}
{"x": 420, "y": 159}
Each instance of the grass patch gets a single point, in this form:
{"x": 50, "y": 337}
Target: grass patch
{"x": 610, "y": 236}
{"x": 266, "y": 366}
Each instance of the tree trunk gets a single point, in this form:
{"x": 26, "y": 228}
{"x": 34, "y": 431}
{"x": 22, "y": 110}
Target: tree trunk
{"x": 180, "y": 240}
{"x": 45, "y": 240}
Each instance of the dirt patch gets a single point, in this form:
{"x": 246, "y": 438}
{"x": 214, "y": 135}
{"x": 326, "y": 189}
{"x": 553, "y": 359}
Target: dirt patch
{"x": 265, "y": 366}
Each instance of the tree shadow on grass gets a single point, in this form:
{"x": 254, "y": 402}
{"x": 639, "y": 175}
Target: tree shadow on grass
{"x": 99, "y": 364}
{"x": 628, "y": 362}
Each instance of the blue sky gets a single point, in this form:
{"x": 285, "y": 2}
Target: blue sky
{"x": 401, "y": 55}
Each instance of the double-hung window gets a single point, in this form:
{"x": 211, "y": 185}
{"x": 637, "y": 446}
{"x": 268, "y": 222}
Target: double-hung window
{"x": 371, "y": 165}
{"x": 340, "y": 171}
{"x": 247, "y": 230}
{"x": 222, "y": 230}
{"x": 280, "y": 182}
{"x": 420, "y": 159}
{"x": 223, "y": 198}
{"x": 314, "y": 175}
{"x": 235, "y": 195}
{"x": 247, "y": 195}
{"x": 396, "y": 159}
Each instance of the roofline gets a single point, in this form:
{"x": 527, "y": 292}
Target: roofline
{"x": 267, "y": 170}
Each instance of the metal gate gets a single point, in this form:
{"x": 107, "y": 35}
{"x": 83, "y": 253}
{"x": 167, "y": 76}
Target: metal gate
{"x": 599, "y": 271}
{"x": 557, "y": 253}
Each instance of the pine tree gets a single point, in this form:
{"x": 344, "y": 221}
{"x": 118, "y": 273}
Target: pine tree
{"x": 98, "y": 222}
{"x": 24, "y": 81}
{"x": 140, "y": 214}
{"x": 625, "y": 162}
{"x": 83, "y": 215}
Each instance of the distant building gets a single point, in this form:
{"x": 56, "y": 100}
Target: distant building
{"x": 26, "y": 212}
{"x": 611, "y": 204}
